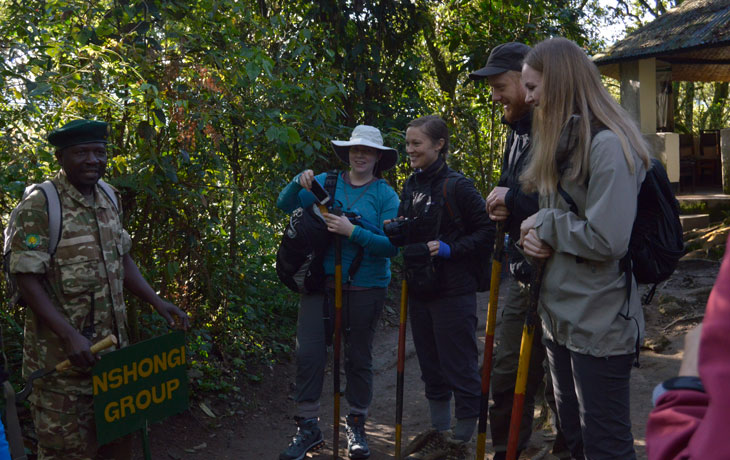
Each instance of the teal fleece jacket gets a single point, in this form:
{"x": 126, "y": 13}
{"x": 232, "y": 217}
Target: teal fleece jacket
{"x": 375, "y": 202}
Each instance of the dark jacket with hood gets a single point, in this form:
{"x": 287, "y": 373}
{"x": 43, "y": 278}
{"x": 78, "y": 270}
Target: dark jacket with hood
{"x": 521, "y": 205}
{"x": 423, "y": 199}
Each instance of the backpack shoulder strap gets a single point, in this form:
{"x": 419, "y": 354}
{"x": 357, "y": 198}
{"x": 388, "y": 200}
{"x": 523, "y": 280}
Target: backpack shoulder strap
{"x": 355, "y": 264}
{"x": 110, "y": 193}
{"x": 55, "y": 216}
{"x": 568, "y": 199}
{"x": 449, "y": 193}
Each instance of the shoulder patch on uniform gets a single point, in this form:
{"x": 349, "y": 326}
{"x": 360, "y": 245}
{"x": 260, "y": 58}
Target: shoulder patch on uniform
{"x": 32, "y": 241}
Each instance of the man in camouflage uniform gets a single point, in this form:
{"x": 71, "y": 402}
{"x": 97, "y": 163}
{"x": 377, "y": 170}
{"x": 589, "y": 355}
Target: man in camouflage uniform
{"x": 75, "y": 295}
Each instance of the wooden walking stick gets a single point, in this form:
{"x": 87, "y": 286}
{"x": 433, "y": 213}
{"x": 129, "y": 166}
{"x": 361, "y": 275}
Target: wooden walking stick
{"x": 336, "y": 347}
{"x": 101, "y": 345}
{"x": 497, "y": 260}
{"x": 523, "y": 368}
{"x": 401, "y": 368}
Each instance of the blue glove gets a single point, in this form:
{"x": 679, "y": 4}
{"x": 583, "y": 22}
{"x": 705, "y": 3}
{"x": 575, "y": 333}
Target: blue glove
{"x": 444, "y": 250}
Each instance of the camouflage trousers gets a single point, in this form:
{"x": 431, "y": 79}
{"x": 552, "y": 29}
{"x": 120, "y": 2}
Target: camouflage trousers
{"x": 66, "y": 430}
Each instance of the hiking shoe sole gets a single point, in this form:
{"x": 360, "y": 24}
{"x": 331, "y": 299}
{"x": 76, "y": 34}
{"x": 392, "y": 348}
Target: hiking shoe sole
{"x": 315, "y": 446}
{"x": 359, "y": 456}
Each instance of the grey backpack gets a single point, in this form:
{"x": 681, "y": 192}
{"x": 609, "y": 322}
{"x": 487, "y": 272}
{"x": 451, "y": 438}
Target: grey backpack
{"x": 55, "y": 227}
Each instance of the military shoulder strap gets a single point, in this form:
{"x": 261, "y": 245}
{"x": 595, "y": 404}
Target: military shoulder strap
{"x": 53, "y": 208}
{"x": 109, "y": 192}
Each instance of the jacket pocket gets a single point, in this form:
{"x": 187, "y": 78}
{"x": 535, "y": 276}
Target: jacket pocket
{"x": 420, "y": 271}
{"x": 56, "y": 420}
{"x": 78, "y": 277}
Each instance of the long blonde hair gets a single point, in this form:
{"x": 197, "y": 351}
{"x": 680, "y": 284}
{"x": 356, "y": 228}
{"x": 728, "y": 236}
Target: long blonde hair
{"x": 572, "y": 85}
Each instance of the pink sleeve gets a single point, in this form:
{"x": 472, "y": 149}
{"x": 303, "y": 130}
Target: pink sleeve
{"x": 687, "y": 424}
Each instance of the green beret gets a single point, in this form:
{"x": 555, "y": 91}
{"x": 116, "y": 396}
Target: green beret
{"x": 79, "y": 132}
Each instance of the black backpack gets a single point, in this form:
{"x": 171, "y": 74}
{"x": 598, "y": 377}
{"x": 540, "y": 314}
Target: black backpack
{"x": 482, "y": 259}
{"x": 302, "y": 247}
{"x": 656, "y": 243}
{"x": 306, "y": 238}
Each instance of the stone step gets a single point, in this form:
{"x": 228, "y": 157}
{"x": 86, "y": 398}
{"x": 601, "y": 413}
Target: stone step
{"x": 693, "y": 221}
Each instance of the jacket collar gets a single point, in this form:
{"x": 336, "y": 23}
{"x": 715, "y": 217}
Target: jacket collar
{"x": 67, "y": 188}
{"x": 521, "y": 126}
{"x": 434, "y": 170}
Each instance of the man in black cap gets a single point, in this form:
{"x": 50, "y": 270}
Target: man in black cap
{"x": 509, "y": 204}
{"x": 73, "y": 284}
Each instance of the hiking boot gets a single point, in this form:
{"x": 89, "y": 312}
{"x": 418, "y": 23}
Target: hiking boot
{"x": 308, "y": 437}
{"x": 456, "y": 450}
{"x": 357, "y": 442}
{"x": 429, "y": 445}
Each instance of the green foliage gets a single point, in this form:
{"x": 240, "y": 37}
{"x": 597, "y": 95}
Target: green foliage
{"x": 215, "y": 104}
{"x": 692, "y": 207}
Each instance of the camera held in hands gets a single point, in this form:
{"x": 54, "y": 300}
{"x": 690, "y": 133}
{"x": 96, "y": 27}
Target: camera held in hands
{"x": 322, "y": 196}
{"x": 398, "y": 230}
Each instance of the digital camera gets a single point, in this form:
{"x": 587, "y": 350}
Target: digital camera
{"x": 398, "y": 231}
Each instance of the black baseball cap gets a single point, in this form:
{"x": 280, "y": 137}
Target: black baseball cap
{"x": 504, "y": 57}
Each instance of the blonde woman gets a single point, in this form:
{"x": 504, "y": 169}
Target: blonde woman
{"x": 588, "y": 163}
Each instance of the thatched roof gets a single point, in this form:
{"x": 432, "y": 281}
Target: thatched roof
{"x": 693, "y": 37}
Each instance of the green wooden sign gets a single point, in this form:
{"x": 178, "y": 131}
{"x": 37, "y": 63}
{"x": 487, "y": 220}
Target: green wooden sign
{"x": 142, "y": 383}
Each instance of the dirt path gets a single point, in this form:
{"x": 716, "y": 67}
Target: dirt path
{"x": 263, "y": 431}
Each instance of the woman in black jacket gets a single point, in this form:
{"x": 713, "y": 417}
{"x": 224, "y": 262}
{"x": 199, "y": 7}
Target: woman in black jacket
{"x": 441, "y": 234}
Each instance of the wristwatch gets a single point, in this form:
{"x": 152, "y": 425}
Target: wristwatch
{"x": 682, "y": 382}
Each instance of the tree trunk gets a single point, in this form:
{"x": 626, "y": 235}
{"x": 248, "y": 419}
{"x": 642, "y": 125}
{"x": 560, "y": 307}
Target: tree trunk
{"x": 688, "y": 105}
{"x": 719, "y": 100}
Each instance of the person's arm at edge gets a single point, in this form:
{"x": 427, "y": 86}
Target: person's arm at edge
{"x": 691, "y": 424}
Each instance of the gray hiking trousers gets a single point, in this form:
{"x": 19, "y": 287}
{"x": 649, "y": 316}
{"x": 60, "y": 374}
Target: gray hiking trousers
{"x": 361, "y": 311}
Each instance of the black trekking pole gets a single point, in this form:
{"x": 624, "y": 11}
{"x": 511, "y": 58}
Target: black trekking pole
{"x": 336, "y": 347}
{"x": 497, "y": 260}
{"x": 401, "y": 368}
{"x": 523, "y": 368}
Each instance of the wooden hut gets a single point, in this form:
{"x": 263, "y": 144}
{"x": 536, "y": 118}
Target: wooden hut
{"x": 688, "y": 43}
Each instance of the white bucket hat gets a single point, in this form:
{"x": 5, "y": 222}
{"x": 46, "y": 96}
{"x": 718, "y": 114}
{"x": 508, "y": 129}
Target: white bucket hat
{"x": 368, "y": 136}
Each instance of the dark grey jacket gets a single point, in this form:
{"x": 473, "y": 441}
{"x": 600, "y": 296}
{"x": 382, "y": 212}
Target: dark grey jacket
{"x": 521, "y": 205}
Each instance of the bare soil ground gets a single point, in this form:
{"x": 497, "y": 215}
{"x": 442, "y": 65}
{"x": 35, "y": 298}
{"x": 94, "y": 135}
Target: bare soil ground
{"x": 262, "y": 430}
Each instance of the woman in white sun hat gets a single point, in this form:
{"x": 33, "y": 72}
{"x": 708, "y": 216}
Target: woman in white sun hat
{"x": 359, "y": 191}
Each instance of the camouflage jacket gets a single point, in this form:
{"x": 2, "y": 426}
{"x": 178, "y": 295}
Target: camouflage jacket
{"x": 86, "y": 273}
